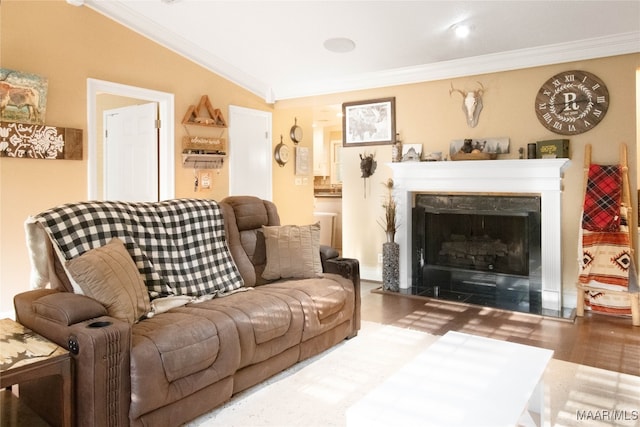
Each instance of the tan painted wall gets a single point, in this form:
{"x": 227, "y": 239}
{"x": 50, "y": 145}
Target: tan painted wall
{"x": 293, "y": 194}
{"x": 69, "y": 44}
{"x": 427, "y": 115}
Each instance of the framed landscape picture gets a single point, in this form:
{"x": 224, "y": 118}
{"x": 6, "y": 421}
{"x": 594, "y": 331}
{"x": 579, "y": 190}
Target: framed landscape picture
{"x": 369, "y": 122}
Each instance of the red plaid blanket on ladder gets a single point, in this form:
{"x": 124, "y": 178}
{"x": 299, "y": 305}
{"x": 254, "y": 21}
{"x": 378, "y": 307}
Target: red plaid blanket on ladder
{"x": 605, "y": 253}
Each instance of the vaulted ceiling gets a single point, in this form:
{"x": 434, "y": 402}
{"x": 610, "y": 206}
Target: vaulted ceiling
{"x": 276, "y": 49}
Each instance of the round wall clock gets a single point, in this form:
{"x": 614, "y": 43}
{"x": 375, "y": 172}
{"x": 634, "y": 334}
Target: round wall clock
{"x": 572, "y": 102}
{"x": 281, "y": 153}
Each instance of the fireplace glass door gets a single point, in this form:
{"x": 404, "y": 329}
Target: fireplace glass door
{"x": 480, "y": 249}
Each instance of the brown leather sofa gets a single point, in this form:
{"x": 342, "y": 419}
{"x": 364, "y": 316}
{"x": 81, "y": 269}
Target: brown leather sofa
{"x": 172, "y": 367}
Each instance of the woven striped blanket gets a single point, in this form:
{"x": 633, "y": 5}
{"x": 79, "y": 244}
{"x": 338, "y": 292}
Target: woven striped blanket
{"x": 179, "y": 246}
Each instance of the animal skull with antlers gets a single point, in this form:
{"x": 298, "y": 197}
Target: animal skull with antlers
{"x": 471, "y": 103}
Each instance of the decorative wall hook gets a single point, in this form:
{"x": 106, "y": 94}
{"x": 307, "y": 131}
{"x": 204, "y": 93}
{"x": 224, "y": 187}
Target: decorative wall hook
{"x": 367, "y": 167}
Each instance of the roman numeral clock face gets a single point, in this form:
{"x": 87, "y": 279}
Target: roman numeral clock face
{"x": 572, "y": 102}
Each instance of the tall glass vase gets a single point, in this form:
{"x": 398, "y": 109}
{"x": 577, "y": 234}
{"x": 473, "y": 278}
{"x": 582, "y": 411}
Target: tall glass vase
{"x": 391, "y": 266}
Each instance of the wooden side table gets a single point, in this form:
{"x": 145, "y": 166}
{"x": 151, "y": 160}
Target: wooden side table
{"x": 26, "y": 356}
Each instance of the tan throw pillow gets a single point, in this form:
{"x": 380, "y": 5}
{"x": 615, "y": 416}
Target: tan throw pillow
{"x": 109, "y": 275}
{"x": 293, "y": 251}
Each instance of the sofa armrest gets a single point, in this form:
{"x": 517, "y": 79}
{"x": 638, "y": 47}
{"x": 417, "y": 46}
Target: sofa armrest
{"x": 64, "y": 308}
{"x": 326, "y": 253}
{"x": 350, "y": 269}
{"x": 99, "y": 344}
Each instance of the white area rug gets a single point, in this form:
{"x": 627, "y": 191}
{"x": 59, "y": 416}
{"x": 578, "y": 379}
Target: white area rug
{"x": 318, "y": 392}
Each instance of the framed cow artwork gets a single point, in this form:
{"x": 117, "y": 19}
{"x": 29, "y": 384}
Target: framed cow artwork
{"x": 23, "y": 97}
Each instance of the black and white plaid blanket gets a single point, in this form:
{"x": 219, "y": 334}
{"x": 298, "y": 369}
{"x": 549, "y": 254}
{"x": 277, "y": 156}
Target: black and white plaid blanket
{"x": 178, "y": 245}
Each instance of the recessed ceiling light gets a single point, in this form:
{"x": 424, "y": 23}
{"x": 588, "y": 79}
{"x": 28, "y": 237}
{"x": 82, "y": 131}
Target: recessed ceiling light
{"x": 339, "y": 45}
{"x": 461, "y": 30}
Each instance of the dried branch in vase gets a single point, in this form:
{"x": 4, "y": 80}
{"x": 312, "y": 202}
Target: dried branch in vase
{"x": 388, "y": 223}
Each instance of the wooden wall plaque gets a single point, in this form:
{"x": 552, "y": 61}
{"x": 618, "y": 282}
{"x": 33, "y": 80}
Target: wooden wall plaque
{"x": 204, "y": 144}
{"x": 30, "y": 141}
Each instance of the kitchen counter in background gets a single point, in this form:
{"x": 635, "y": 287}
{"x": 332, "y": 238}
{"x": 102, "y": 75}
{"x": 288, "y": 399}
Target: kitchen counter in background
{"x": 322, "y": 188}
{"x": 327, "y": 209}
{"x": 336, "y": 194}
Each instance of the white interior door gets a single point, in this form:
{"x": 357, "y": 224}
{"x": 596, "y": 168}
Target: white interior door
{"x": 250, "y": 153}
{"x": 131, "y": 153}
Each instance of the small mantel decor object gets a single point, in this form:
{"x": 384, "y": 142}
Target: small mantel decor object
{"x": 390, "y": 249}
{"x": 396, "y": 149}
{"x": 552, "y": 149}
{"x": 478, "y": 149}
{"x": 411, "y": 152}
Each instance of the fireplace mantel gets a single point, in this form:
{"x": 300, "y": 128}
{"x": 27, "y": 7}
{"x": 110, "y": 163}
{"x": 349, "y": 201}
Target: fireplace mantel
{"x": 533, "y": 176}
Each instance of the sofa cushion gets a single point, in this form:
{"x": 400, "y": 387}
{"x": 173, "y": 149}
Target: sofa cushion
{"x": 326, "y": 301}
{"x": 292, "y": 251}
{"x": 267, "y": 323}
{"x": 109, "y": 275}
{"x": 185, "y": 346}
{"x": 177, "y": 353}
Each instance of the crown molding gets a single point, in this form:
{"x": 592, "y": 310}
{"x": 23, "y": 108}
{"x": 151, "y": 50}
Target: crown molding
{"x": 120, "y": 13}
{"x": 618, "y": 44}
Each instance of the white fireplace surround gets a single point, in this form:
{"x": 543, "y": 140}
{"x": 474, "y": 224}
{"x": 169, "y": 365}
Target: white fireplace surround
{"x": 541, "y": 177}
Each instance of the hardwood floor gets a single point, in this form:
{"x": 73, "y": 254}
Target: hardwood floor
{"x": 597, "y": 340}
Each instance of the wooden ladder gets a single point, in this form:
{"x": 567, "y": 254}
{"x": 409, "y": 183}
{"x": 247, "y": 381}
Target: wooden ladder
{"x": 634, "y": 300}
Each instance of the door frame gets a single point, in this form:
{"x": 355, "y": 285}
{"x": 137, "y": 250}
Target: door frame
{"x": 166, "y": 133}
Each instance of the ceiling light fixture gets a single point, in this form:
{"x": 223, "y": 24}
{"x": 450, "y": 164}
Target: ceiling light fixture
{"x": 339, "y": 45}
{"x": 461, "y": 30}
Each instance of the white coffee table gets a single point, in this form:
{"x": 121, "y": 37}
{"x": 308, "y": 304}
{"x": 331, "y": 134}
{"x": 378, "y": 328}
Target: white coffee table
{"x": 461, "y": 380}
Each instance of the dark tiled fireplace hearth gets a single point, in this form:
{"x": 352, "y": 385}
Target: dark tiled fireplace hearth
{"x": 481, "y": 249}
{"x": 526, "y": 271}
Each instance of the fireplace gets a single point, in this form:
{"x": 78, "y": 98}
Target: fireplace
{"x": 481, "y": 249}
{"x": 540, "y": 179}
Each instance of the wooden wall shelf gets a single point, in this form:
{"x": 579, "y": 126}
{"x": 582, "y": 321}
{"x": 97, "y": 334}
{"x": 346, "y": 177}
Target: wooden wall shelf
{"x": 30, "y": 141}
{"x": 196, "y": 115}
{"x": 203, "y": 161}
